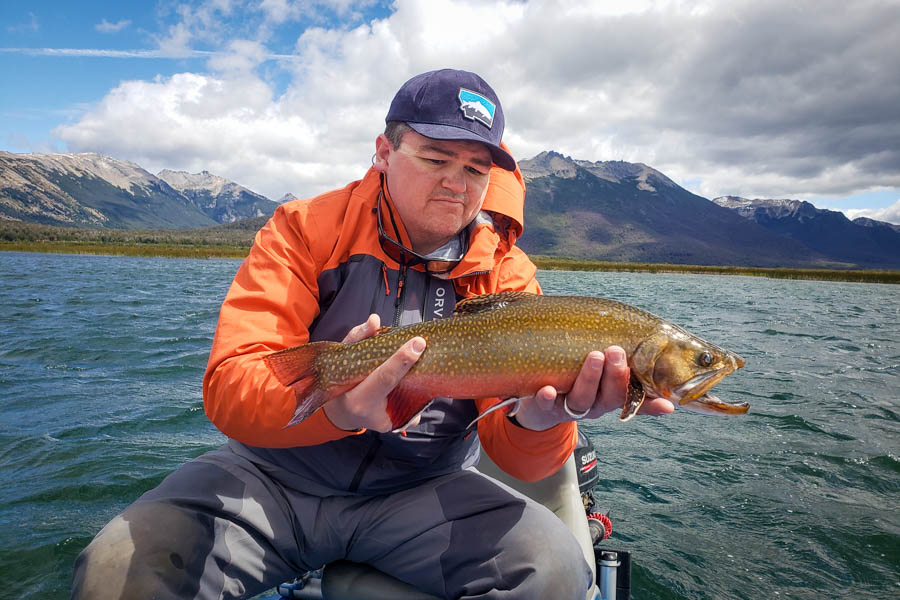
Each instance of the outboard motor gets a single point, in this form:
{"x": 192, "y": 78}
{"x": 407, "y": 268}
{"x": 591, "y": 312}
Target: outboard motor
{"x": 588, "y": 476}
{"x": 586, "y": 463}
{"x": 613, "y": 567}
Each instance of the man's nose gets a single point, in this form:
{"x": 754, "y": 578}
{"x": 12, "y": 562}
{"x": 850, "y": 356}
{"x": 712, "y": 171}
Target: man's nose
{"x": 455, "y": 180}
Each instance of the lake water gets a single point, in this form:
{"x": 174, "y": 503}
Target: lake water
{"x": 101, "y": 360}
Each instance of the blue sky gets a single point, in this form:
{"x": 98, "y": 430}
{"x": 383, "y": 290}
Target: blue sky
{"x": 59, "y": 57}
{"x": 759, "y": 99}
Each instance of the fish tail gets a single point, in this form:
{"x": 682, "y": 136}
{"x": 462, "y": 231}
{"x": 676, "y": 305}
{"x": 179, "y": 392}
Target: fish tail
{"x": 296, "y": 368}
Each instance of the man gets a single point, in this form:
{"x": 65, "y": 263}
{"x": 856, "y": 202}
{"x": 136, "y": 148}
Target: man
{"x": 435, "y": 219}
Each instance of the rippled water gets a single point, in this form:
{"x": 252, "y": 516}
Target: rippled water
{"x": 101, "y": 360}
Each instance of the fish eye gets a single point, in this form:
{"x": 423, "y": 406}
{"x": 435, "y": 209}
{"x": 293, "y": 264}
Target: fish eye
{"x": 705, "y": 358}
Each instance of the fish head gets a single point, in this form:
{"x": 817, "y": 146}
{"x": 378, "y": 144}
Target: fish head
{"x": 681, "y": 367}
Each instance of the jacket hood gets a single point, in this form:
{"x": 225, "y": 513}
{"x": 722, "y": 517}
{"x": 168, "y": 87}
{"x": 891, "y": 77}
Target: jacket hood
{"x": 506, "y": 197}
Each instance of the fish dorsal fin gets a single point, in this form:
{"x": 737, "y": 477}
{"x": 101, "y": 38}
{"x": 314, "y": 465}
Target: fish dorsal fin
{"x": 477, "y": 304}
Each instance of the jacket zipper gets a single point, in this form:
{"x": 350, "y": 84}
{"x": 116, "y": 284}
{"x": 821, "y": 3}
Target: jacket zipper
{"x": 472, "y": 274}
{"x": 398, "y": 303}
{"x": 376, "y": 444}
{"x": 369, "y": 458}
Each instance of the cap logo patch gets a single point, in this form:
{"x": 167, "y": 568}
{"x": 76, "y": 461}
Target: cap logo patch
{"x": 476, "y": 107}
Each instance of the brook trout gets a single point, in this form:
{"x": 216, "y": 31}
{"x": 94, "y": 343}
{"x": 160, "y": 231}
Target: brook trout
{"x": 509, "y": 345}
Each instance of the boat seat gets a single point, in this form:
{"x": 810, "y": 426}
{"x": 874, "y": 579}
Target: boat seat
{"x": 345, "y": 580}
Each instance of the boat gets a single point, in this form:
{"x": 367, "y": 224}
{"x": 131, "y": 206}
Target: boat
{"x": 568, "y": 493}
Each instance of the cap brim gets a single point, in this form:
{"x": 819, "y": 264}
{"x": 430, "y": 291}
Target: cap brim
{"x": 501, "y": 157}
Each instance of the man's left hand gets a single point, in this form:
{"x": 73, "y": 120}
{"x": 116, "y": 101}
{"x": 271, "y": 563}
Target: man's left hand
{"x": 599, "y": 388}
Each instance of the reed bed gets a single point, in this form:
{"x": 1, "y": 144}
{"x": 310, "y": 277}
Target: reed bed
{"x": 134, "y": 249}
{"x": 853, "y": 275}
{"x": 234, "y": 241}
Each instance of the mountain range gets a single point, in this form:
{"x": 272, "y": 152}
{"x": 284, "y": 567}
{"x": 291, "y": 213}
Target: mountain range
{"x": 620, "y": 211}
{"x": 861, "y": 241}
{"x": 92, "y": 190}
{"x": 608, "y": 210}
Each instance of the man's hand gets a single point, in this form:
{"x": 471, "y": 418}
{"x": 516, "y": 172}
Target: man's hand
{"x": 600, "y": 387}
{"x": 365, "y": 404}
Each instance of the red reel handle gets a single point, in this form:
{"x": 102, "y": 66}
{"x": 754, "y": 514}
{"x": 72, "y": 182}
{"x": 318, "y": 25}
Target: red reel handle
{"x": 602, "y": 524}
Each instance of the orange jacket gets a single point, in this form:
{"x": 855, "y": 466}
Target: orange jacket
{"x": 277, "y": 296}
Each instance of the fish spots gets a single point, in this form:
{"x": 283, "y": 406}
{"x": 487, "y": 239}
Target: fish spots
{"x": 515, "y": 349}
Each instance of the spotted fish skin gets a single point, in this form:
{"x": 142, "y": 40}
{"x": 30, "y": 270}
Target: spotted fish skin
{"x": 510, "y": 345}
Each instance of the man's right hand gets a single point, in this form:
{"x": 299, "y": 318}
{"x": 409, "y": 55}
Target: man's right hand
{"x": 365, "y": 405}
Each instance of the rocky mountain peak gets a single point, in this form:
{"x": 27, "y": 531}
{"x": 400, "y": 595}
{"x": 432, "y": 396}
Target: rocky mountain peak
{"x": 120, "y": 173}
{"x": 96, "y": 190}
{"x": 549, "y": 163}
{"x": 618, "y": 171}
{"x": 204, "y": 180}
{"x": 224, "y": 200}
{"x": 867, "y": 222}
{"x": 552, "y": 163}
{"x": 777, "y": 208}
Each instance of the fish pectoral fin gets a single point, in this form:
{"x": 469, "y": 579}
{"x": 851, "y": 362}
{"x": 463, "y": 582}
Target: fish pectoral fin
{"x": 477, "y": 304}
{"x": 634, "y": 398}
{"x": 308, "y": 402}
{"x": 404, "y": 405}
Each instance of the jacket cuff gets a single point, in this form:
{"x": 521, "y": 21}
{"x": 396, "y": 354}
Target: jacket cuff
{"x": 523, "y": 453}
{"x": 549, "y": 441}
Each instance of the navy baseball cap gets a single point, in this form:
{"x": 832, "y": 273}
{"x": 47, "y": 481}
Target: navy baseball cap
{"x": 453, "y": 105}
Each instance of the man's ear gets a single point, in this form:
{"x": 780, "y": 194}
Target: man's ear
{"x": 383, "y": 150}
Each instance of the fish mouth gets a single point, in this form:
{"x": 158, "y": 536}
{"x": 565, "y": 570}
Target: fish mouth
{"x": 693, "y": 394}
{"x": 711, "y": 405}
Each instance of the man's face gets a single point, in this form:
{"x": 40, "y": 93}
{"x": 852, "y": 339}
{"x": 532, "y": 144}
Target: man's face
{"x": 437, "y": 186}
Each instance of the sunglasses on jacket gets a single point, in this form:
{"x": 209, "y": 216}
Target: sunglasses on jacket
{"x": 439, "y": 262}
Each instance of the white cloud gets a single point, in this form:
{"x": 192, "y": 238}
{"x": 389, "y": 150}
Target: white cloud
{"x": 742, "y": 98}
{"x": 241, "y": 56}
{"x": 230, "y": 126}
{"x": 106, "y": 27}
{"x": 890, "y": 214}
{"x": 279, "y": 11}
{"x": 177, "y": 42}
{"x": 99, "y": 52}
{"x": 203, "y": 22}
{"x": 31, "y": 26}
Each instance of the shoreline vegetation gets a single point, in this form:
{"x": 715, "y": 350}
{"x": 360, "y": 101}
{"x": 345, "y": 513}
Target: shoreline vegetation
{"x": 234, "y": 241}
